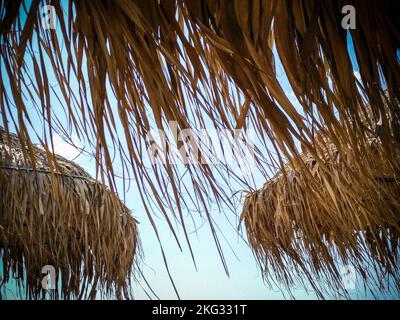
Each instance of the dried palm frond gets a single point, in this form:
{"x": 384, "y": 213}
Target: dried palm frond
{"x": 123, "y": 67}
{"x": 64, "y": 219}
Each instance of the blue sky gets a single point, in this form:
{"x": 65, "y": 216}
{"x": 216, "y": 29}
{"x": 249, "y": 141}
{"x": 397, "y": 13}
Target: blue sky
{"x": 210, "y": 280}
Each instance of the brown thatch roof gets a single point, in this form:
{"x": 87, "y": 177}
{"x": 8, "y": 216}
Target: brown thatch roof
{"x": 57, "y": 215}
{"x": 311, "y": 219}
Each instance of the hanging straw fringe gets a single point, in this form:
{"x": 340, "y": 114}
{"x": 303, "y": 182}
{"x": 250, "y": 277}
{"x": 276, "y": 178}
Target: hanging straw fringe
{"x": 73, "y": 224}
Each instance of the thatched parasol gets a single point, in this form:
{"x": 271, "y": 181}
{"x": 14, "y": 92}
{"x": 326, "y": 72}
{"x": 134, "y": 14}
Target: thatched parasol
{"x": 325, "y": 213}
{"x": 53, "y": 213}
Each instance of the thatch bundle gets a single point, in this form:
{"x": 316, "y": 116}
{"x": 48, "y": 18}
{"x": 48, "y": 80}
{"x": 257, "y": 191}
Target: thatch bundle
{"x": 53, "y": 213}
{"x": 311, "y": 220}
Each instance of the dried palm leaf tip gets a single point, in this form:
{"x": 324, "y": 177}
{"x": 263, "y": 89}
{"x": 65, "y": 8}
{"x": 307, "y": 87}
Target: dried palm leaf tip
{"x": 56, "y": 214}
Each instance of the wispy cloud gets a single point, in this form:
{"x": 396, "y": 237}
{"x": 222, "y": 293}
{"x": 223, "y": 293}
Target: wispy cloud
{"x": 64, "y": 148}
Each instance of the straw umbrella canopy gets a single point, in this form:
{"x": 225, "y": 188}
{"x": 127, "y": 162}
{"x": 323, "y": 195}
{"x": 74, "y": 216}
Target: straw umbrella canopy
{"x": 52, "y": 213}
{"x": 313, "y": 220}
